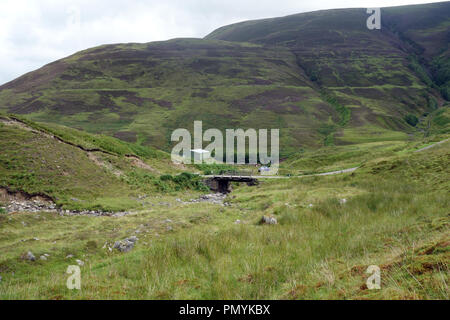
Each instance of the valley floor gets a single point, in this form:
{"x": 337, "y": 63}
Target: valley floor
{"x": 391, "y": 212}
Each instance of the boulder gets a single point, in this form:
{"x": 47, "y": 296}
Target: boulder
{"x": 30, "y": 256}
{"x": 268, "y": 220}
{"x": 126, "y": 244}
{"x": 132, "y": 239}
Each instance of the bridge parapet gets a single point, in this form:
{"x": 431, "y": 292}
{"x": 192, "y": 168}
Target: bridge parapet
{"x": 222, "y": 183}
{"x": 237, "y": 173}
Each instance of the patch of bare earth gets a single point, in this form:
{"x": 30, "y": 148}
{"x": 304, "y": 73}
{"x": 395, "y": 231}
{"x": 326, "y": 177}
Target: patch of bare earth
{"x": 101, "y": 163}
{"x": 8, "y": 196}
{"x": 10, "y": 122}
{"x": 135, "y": 161}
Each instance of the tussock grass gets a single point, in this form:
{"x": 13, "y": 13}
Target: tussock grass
{"x": 390, "y": 218}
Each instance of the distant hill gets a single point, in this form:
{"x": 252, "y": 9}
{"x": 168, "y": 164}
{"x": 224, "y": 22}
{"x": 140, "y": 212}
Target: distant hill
{"x": 321, "y": 77}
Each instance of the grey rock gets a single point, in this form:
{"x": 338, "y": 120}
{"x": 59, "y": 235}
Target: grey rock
{"x": 36, "y": 206}
{"x": 132, "y": 239}
{"x": 268, "y": 220}
{"x": 43, "y": 257}
{"x": 214, "y": 198}
{"x": 126, "y": 244}
{"x": 30, "y": 256}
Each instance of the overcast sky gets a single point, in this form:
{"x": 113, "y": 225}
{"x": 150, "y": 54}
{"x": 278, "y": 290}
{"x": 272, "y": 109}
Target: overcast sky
{"x": 36, "y": 32}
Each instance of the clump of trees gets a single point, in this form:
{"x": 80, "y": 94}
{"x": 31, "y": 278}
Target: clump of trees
{"x": 411, "y": 119}
{"x": 441, "y": 71}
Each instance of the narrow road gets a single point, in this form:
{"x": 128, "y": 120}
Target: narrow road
{"x": 309, "y": 175}
{"x": 431, "y": 146}
{"x": 282, "y": 177}
{"x": 312, "y": 175}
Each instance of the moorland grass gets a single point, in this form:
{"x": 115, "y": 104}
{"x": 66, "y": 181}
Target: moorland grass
{"x": 320, "y": 249}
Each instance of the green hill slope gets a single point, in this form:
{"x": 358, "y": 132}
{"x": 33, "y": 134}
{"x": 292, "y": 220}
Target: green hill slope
{"x": 321, "y": 77}
{"x": 81, "y": 171}
{"x": 379, "y": 75}
{"x": 395, "y": 215}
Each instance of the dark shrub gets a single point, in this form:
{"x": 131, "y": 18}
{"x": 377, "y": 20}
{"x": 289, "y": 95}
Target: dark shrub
{"x": 411, "y": 119}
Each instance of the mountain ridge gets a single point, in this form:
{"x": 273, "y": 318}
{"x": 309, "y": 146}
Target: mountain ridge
{"x": 321, "y": 77}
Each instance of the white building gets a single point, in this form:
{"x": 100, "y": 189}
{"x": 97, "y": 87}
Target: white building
{"x": 199, "y": 155}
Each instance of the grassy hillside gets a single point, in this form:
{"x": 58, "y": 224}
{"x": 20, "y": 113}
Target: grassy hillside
{"x": 322, "y": 77}
{"x": 395, "y": 216}
{"x": 333, "y": 158}
{"x": 81, "y": 171}
{"x": 440, "y": 121}
{"x": 376, "y": 75}
{"x": 87, "y": 133}
{"x": 225, "y": 85}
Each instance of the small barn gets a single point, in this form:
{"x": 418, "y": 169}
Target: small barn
{"x": 200, "y": 155}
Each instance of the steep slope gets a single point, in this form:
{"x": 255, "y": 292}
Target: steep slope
{"x": 141, "y": 92}
{"x": 77, "y": 170}
{"x": 378, "y": 74}
{"x": 321, "y": 77}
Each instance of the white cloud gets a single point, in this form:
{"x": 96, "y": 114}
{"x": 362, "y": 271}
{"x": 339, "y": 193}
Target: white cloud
{"x": 36, "y": 32}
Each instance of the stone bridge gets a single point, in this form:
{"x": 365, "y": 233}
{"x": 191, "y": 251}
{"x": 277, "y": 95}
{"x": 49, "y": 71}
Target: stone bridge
{"x": 222, "y": 183}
